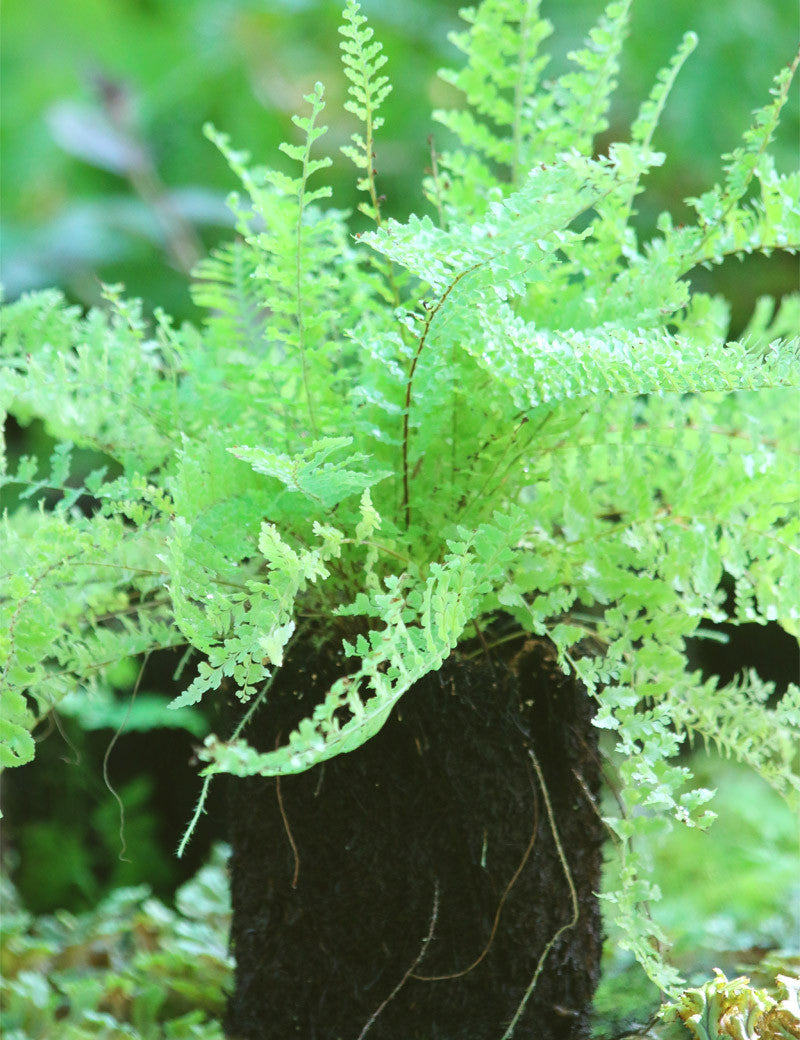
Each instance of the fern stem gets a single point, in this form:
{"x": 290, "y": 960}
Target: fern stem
{"x": 406, "y": 504}
{"x": 381, "y": 548}
{"x": 201, "y": 801}
{"x": 199, "y": 809}
{"x": 370, "y": 156}
{"x": 154, "y": 573}
{"x": 371, "y": 173}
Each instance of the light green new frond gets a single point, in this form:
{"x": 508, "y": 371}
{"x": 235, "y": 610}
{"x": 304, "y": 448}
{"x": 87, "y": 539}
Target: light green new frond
{"x": 225, "y": 284}
{"x": 326, "y": 483}
{"x": 243, "y": 633}
{"x": 254, "y": 179}
{"x": 302, "y": 153}
{"x": 67, "y": 585}
{"x": 298, "y": 252}
{"x": 514, "y": 232}
{"x": 33, "y": 320}
{"x": 644, "y": 126}
{"x": 583, "y": 97}
{"x": 541, "y": 367}
{"x": 652, "y": 286}
{"x": 422, "y": 622}
{"x": 363, "y": 60}
{"x": 614, "y": 236}
{"x": 98, "y": 381}
{"x": 629, "y": 905}
{"x": 726, "y": 223}
{"x": 741, "y": 164}
{"x": 54, "y": 479}
{"x": 735, "y": 719}
{"x": 499, "y": 82}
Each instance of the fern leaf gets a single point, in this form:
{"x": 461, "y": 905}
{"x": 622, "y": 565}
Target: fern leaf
{"x": 583, "y": 96}
{"x": 363, "y": 60}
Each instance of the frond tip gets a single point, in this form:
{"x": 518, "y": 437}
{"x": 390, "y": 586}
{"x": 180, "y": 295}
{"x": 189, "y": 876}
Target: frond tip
{"x": 363, "y": 59}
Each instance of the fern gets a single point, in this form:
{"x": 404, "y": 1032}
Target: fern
{"x": 362, "y": 61}
{"x": 527, "y": 370}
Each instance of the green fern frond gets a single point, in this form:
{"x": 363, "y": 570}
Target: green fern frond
{"x": 649, "y": 115}
{"x": 363, "y": 60}
{"x": 583, "y": 97}
{"x": 98, "y": 382}
{"x": 224, "y": 283}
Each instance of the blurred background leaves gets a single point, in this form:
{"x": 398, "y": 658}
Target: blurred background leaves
{"x": 107, "y": 176}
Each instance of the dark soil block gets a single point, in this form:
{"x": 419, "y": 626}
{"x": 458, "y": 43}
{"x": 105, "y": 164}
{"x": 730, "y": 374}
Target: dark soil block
{"x": 436, "y": 827}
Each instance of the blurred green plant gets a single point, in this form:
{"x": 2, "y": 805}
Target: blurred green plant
{"x": 106, "y": 175}
{"x": 734, "y": 1009}
{"x": 728, "y": 897}
{"x": 71, "y": 837}
{"x": 105, "y": 170}
{"x": 136, "y": 969}
{"x": 74, "y": 859}
{"x": 133, "y": 968}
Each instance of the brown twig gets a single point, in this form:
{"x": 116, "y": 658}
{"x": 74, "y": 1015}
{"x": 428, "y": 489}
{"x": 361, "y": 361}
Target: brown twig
{"x": 482, "y": 639}
{"x": 182, "y": 243}
{"x": 415, "y": 360}
{"x": 286, "y": 824}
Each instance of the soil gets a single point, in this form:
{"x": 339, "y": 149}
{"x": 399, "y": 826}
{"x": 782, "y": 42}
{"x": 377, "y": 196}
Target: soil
{"x": 437, "y": 827}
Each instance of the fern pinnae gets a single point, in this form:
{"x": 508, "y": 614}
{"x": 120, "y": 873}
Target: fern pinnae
{"x": 649, "y": 115}
{"x": 363, "y": 59}
{"x": 716, "y": 207}
{"x": 585, "y": 95}
{"x": 650, "y": 111}
{"x": 432, "y": 312}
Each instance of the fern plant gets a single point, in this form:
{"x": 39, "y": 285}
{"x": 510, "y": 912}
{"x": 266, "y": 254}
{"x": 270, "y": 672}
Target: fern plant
{"x": 507, "y": 406}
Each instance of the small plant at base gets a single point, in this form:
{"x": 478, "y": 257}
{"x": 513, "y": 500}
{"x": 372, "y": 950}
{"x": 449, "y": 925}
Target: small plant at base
{"x": 723, "y": 1008}
{"x": 515, "y": 409}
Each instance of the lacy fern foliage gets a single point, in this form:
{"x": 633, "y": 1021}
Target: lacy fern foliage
{"x": 509, "y": 405}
